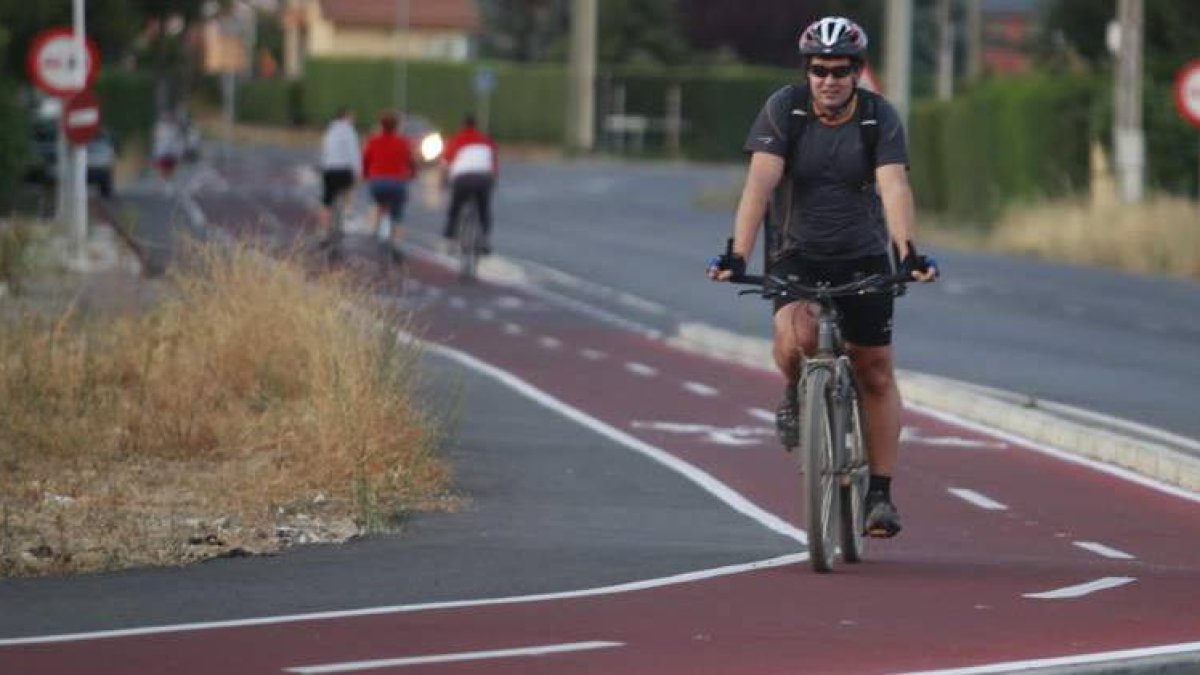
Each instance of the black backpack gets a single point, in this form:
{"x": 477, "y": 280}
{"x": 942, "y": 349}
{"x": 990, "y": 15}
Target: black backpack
{"x": 866, "y": 114}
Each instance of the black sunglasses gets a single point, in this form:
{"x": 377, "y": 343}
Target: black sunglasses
{"x": 818, "y": 71}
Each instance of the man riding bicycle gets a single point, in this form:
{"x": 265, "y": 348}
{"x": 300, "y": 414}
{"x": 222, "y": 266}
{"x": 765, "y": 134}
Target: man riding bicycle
{"x": 838, "y": 195}
{"x": 471, "y": 169}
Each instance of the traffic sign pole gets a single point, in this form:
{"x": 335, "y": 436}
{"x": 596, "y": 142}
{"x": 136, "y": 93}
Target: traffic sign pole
{"x": 79, "y": 196}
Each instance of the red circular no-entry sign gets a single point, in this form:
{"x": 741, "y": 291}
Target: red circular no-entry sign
{"x": 81, "y": 117}
{"x": 1187, "y": 92}
{"x": 56, "y": 66}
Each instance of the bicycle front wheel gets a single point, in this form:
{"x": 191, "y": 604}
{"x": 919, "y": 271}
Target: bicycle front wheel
{"x": 854, "y": 481}
{"x": 820, "y": 477}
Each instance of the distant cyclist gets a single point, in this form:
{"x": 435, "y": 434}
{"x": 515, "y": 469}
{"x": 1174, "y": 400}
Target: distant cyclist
{"x": 388, "y": 166}
{"x": 471, "y": 168}
{"x": 340, "y": 163}
{"x": 841, "y": 197}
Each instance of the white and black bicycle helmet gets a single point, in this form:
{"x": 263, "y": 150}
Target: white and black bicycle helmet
{"x": 834, "y": 36}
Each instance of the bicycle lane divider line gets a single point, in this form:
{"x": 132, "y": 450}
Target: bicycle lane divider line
{"x": 615, "y": 589}
{"x": 977, "y": 499}
{"x": 701, "y": 478}
{"x": 540, "y": 650}
{"x": 1096, "y": 658}
{"x": 1103, "y": 550}
{"x": 1080, "y": 590}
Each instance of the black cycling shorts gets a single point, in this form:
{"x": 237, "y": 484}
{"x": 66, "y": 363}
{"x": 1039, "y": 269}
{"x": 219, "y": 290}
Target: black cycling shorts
{"x": 334, "y": 182}
{"x": 863, "y": 319}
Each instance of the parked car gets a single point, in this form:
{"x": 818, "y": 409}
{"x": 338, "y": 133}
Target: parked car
{"x": 43, "y": 159}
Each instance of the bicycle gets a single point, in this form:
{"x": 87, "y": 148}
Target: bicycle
{"x": 833, "y": 454}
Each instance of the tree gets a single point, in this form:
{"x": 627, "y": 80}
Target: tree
{"x": 641, "y": 32}
{"x": 524, "y": 30}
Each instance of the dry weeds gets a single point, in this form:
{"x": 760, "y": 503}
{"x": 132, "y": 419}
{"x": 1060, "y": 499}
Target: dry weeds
{"x": 251, "y": 409}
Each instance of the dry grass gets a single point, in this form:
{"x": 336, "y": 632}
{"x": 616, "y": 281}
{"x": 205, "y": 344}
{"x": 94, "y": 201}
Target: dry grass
{"x": 1160, "y": 236}
{"x": 251, "y": 409}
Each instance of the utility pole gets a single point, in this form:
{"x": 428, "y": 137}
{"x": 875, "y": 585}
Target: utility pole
{"x": 400, "y": 93}
{"x": 1129, "y": 139}
{"x": 898, "y": 56}
{"x": 945, "y": 53}
{"x": 974, "y": 40}
{"x": 581, "y": 106}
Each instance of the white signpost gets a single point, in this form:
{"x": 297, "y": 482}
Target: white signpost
{"x": 63, "y": 63}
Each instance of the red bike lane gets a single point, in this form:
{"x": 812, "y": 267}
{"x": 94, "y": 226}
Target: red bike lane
{"x": 951, "y": 591}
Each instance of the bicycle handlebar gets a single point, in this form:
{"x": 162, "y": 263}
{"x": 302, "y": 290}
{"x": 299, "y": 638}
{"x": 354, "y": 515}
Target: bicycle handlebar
{"x": 773, "y": 286}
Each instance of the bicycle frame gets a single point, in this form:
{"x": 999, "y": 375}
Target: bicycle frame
{"x": 835, "y": 471}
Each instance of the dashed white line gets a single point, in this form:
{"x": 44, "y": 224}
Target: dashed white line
{"x": 550, "y": 342}
{"x": 540, "y": 650}
{"x": 700, "y": 389}
{"x": 485, "y": 314}
{"x": 457, "y": 303}
{"x": 1081, "y": 589}
{"x": 977, "y": 499}
{"x": 1106, "y": 551}
{"x": 513, "y": 329}
{"x": 592, "y": 354}
{"x": 641, "y": 369}
{"x": 761, "y": 414}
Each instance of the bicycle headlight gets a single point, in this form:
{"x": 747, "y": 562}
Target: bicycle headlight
{"x": 431, "y": 147}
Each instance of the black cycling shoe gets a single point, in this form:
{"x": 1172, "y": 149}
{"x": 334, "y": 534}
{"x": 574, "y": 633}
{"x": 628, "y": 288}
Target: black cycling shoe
{"x": 787, "y": 422}
{"x": 883, "y": 520}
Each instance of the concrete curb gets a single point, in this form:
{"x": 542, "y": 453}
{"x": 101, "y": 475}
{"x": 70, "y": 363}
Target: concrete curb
{"x": 1152, "y": 453}
{"x": 1047, "y": 423}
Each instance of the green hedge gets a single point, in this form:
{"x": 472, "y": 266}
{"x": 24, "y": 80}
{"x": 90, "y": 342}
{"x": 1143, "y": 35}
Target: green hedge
{"x": 14, "y": 142}
{"x": 276, "y": 102}
{"x": 1008, "y": 140}
{"x": 127, "y": 103}
{"x": 527, "y": 104}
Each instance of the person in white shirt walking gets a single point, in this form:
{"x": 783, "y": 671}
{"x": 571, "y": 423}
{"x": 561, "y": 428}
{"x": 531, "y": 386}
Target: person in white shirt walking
{"x": 340, "y": 165}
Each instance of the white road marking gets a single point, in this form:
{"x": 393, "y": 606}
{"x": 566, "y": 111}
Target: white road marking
{"x": 485, "y": 314}
{"x": 458, "y": 303}
{"x": 1081, "y": 589}
{"x": 540, "y": 650}
{"x": 1066, "y": 661}
{"x": 641, "y": 369}
{"x": 762, "y": 414}
{"x": 550, "y": 342}
{"x": 700, "y": 389}
{"x": 513, "y": 329}
{"x": 509, "y": 302}
{"x": 910, "y": 434}
{"x": 721, "y": 435}
{"x": 977, "y": 499}
{"x": 1106, "y": 551}
{"x": 592, "y": 354}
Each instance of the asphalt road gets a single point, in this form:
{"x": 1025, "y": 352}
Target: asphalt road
{"x": 1119, "y": 344}
{"x": 1010, "y": 554}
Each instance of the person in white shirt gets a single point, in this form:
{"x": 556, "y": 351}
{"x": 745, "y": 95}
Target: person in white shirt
{"x": 167, "y": 144}
{"x": 340, "y": 165}
{"x": 471, "y": 169}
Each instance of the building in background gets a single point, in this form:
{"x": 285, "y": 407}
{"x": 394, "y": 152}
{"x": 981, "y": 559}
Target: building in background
{"x": 441, "y": 30}
{"x": 1008, "y": 29}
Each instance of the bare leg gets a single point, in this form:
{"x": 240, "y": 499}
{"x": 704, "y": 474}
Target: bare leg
{"x": 795, "y": 336}
{"x": 875, "y": 374}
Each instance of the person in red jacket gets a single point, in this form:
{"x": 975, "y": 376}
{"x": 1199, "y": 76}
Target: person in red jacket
{"x": 472, "y": 169}
{"x": 388, "y": 166}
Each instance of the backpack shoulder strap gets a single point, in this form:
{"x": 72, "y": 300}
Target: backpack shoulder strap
{"x": 798, "y": 113}
{"x": 868, "y": 125}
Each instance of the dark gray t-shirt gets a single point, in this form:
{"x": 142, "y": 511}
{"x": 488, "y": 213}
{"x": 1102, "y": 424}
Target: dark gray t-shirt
{"x": 822, "y": 210}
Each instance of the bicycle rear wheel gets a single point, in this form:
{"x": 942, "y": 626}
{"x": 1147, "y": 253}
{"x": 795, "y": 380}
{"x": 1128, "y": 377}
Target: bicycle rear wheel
{"x": 854, "y": 481}
{"x": 469, "y": 241}
{"x": 820, "y": 478}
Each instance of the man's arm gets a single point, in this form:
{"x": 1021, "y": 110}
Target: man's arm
{"x": 900, "y": 210}
{"x": 762, "y": 177}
